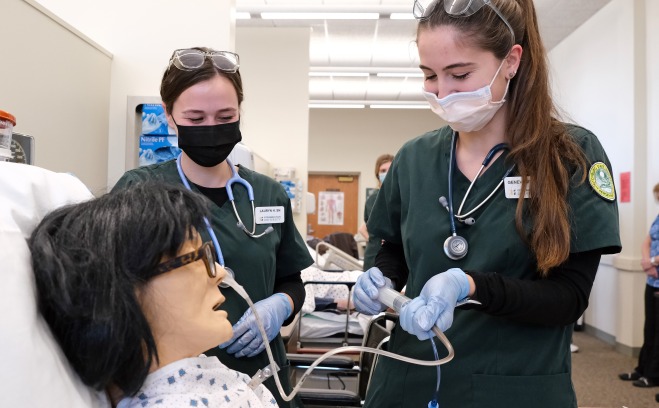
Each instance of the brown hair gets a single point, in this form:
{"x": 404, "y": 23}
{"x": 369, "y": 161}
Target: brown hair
{"x": 656, "y": 189}
{"x": 385, "y": 158}
{"x": 541, "y": 147}
{"x": 175, "y": 81}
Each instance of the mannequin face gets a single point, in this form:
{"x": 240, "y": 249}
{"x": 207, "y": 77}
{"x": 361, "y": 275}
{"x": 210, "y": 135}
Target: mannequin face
{"x": 181, "y": 304}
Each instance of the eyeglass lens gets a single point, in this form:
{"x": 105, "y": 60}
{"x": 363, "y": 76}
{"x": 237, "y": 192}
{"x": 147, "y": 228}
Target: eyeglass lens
{"x": 463, "y": 8}
{"x": 193, "y": 59}
{"x": 209, "y": 260}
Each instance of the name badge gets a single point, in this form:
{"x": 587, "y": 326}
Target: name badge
{"x": 513, "y": 187}
{"x": 269, "y": 215}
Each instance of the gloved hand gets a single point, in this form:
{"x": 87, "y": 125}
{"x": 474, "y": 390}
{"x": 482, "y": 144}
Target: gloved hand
{"x": 435, "y": 304}
{"x": 247, "y": 339}
{"x": 365, "y": 294}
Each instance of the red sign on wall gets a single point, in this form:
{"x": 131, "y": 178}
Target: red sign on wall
{"x": 625, "y": 187}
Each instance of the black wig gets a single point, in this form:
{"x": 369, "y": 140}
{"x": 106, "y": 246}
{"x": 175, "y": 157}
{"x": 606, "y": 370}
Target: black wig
{"x": 89, "y": 259}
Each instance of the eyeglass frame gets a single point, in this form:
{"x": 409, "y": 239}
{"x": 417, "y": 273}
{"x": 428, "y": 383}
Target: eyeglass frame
{"x": 206, "y": 54}
{"x": 482, "y": 3}
{"x": 204, "y": 252}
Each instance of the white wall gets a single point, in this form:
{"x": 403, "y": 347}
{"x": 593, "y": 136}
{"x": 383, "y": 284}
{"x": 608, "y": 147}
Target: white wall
{"x": 600, "y": 80}
{"x": 350, "y": 140}
{"x": 274, "y": 64}
{"x": 652, "y": 83}
{"x": 142, "y": 35}
{"x": 57, "y": 84}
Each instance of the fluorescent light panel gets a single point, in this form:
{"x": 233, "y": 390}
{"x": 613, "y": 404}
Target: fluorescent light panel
{"x": 400, "y": 74}
{"x": 394, "y": 106}
{"x": 401, "y": 16}
{"x": 338, "y": 74}
{"x": 243, "y": 15}
{"x": 337, "y": 105}
{"x": 318, "y": 16}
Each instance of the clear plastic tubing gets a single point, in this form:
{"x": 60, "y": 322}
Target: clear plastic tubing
{"x": 387, "y": 296}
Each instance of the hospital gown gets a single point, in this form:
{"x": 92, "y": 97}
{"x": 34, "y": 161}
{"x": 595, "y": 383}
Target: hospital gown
{"x": 198, "y": 382}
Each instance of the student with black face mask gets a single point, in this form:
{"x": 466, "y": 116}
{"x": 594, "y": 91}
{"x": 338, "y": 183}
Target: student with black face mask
{"x": 202, "y": 92}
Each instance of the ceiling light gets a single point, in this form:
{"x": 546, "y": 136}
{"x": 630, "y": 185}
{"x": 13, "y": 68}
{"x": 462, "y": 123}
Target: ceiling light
{"x": 337, "y": 105}
{"x": 399, "y": 106}
{"x": 318, "y": 16}
{"x": 338, "y": 74}
{"x": 243, "y": 15}
{"x": 401, "y": 16}
{"x": 400, "y": 74}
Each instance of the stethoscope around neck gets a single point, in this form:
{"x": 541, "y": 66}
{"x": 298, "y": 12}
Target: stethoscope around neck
{"x": 456, "y": 246}
{"x": 235, "y": 178}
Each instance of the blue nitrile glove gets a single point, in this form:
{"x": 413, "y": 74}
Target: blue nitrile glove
{"x": 365, "y": 294}
{"x": 435, "y": 304}
{"x": 247, "y": 339}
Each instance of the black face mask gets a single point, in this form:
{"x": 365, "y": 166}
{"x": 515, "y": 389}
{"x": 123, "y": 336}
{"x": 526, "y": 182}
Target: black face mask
{"x": 209, "y": 146}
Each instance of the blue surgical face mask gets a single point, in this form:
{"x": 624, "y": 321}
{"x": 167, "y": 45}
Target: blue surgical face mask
{"x": 381, "y": 176}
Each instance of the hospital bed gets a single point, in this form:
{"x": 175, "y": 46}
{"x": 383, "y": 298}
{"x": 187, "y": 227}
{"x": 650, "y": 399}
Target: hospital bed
{"x": 377, "y": 337}
{"x": 327, "y": 281}
{"x": 35, "y": 372}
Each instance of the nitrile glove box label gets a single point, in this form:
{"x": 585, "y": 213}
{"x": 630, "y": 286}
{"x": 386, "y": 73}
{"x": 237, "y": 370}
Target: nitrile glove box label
{"x": 154, "y": 120}
{"x": 157, "y": 149}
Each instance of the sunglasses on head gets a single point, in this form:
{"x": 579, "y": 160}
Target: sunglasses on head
{"x": 190, "y": 59}
{"x": 457, "y": 8}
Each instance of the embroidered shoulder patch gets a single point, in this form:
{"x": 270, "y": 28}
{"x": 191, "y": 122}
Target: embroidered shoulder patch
{"x": 601, "y": 181}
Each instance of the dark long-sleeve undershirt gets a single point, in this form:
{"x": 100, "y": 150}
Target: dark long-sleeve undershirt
{"x": 292, "y": 286}
{"x": 559, "y": 299}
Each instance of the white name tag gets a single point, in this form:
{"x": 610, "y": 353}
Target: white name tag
{"x": 269, "y": 215}
{"x": 513, "y": 187}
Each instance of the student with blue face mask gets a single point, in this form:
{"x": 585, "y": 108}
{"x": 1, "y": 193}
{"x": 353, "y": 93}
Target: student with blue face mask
{"x": 507, "y": 205}
{"x": 202, "y": 92}
{"x": 373, "y": 243}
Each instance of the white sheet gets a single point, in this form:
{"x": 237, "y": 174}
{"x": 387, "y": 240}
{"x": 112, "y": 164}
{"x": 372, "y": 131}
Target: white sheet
{"x": 34, "y": 372}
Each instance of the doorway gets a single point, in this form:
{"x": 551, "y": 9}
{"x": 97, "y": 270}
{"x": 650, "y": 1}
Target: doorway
{"x": 337, "y": 196}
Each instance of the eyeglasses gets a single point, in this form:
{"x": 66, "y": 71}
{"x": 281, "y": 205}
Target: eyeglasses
{"x": 457, "y": 8}
{"x": 191, "y": 59}
{"x": 205, "y": 252}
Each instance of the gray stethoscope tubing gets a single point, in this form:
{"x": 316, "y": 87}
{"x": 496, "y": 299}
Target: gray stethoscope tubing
{"x": 455, "y": 246}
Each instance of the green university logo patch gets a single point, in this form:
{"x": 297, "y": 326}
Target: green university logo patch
{"x": 600, "y": 179}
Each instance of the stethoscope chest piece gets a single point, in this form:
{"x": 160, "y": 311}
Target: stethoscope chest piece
{"x": 456, "y": 247}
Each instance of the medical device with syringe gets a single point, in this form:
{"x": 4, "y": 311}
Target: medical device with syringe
{"x": 388, "y": 297}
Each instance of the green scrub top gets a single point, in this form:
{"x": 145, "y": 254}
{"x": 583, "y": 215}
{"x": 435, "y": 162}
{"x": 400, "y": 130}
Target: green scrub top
{"x": 374, "y": 243}
{"x": 255, "y": 261}
{"x": 498, "y": 363}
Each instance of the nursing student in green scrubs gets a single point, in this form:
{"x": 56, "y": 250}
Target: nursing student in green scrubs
{"x": 202, "y": 92}
{"x": 382, "y": 165}
{"x": 530, "y": 223}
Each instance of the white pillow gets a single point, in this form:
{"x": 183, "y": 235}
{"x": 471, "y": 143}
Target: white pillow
{"x": 34, "y": 371}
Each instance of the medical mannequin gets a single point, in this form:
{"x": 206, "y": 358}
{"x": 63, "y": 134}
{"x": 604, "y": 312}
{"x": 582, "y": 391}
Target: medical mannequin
{"x": 534, "y": 219}
{"x": 201, "y": 91}
{"x": 132, "y": 315}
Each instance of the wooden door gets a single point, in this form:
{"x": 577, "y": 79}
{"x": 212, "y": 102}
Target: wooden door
{"x": 337, "y": 196}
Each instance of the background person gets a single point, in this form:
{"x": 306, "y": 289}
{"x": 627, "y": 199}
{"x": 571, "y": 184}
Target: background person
{"x": 531, "y": 258}
{"x": 646, "y": 374}
{"x": 201, "y": 91}
{"x": 131, "y": 314}
{"x": 382, "y": 165}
